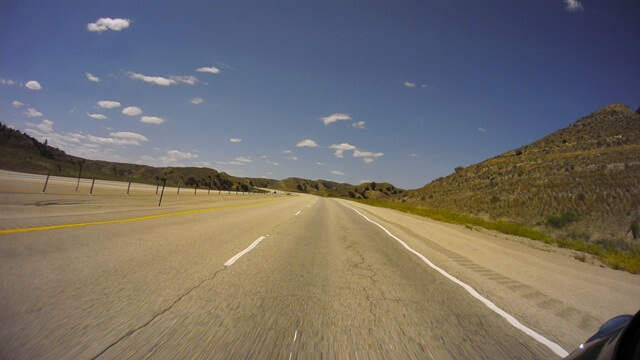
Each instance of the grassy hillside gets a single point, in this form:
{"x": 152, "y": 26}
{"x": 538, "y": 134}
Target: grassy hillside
{"x": 23, "y": 153}
{"x": 330, "y": 188}
{"x": 578, "y": 187}
{"x": 582, "y": 180}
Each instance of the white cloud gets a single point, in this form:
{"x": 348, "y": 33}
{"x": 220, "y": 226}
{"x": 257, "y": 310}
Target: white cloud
{"x": 130, "y": 136}
{"x": 45, "y": 126}
{"x": 173, "y": 157}
{"x": 409, "y": 84}
{"x": 336, "y": 172}
{"x": 156, "y": 80}
{"x": 341, "y": 148}
{"x": 286, "y": 151}
{"x": 177, "y": 154}
{"x": 321, "y": 164}
{"x": 268, "y": 161}
{"x": 188, "y": 79}
{"x": 307, "y": 143}
{"x": 152, "y": 120}
{"x": 413, "y": 155}
{"x": 105, "y": 104}
{"x": 132, "y": 111}
{"x": 197, "y": 101}
{"x": 573, "y": 5}
{"x": 358, "y": 125}
{"x": 7, "y": 81}
{"x": 17, "y": 104}
{"x": 97, "y": 116}
{"x": 243, "y": 159}
{"x": 335, "y": 117}
{"x": 31, "y": 112}
{"x": 367, "y": 157}
{"x": 424, "y": 86}
{"x": 482, "y": 130}
{"x": 294, "y": 158}
{"x": 86, "y": 146}
{"x": 33, "y": 85}
{"x": 235, "y": 140}
{"x": 92, "y": 78}
{"x": 210, "y": 70}
{"x": 112, "y": 141}
{"x": 104, "y": 24}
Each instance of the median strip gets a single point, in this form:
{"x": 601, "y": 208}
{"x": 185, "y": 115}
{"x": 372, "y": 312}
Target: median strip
{"x": 118, "y": 221}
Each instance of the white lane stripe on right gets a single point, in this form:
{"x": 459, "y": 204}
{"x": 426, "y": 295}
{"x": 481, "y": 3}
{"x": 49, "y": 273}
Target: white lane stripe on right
{"x": 296, "y": 214}
{"x": 239, "y": 255}
{"x": 557, "y": 349}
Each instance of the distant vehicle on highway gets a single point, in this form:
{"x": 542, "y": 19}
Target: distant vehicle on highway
{"x": 618, "y": 338}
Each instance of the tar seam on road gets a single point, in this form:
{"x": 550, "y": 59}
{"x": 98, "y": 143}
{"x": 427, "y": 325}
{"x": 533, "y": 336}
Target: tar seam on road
{"x": 155, "y": 316}
{"x": 117, "y": 221}
{"x": 557, "y": 349}
{"x": 241, "y": 253}
{"x": 226, "y": 264}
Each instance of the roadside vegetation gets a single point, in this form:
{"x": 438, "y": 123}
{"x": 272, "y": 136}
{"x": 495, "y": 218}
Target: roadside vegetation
{"x": 616, "y": 254}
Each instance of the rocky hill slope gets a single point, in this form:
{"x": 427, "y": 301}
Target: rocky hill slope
{"x": 582, "y": 181}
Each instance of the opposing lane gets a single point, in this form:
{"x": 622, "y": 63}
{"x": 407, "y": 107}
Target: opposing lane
{"x": 67, "y": 292}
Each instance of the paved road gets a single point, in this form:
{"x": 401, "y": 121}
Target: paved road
{"x": 322, "y": 281}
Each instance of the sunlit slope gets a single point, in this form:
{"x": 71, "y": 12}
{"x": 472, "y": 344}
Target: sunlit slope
{"x": 583, "y": 180}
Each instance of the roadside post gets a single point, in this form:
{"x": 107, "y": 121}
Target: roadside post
{"x": 45, "y": 184}
{"x": 178, "y": 190}
{"x": 79, "y": 175}
{"x": 129, "y": 188}
{"x": 92, "y": 183}
{"x": 164, "y": 182}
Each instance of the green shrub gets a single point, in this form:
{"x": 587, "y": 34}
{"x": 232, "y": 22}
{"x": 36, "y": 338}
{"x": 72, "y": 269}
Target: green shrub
{"x": 635, "y": 229}
{"x": 562, "y": 220}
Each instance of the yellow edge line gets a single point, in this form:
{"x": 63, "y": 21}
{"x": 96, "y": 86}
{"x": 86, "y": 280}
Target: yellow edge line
{"x": 117, "y": 221}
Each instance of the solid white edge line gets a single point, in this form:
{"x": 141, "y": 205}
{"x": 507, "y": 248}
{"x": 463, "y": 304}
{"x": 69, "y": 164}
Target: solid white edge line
{"x": 296, "y": 214}
{"x": 557, "y": 349}
{"x": 239, "y": 255}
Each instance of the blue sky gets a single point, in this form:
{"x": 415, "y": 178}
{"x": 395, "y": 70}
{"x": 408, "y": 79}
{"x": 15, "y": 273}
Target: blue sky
{"x": 386, "y": 91}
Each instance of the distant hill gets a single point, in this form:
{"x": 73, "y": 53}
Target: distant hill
{"x": 582, "y": 181}
{"x": 21, "y": 152}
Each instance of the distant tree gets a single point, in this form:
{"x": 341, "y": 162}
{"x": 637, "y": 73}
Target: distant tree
{"x": 373, "y": 185}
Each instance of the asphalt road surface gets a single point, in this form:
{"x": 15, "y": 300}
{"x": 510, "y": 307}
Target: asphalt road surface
{"x": 282, "y": 277}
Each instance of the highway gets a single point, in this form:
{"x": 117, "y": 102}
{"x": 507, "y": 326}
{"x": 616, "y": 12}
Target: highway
{"x": 282, "y": 277}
